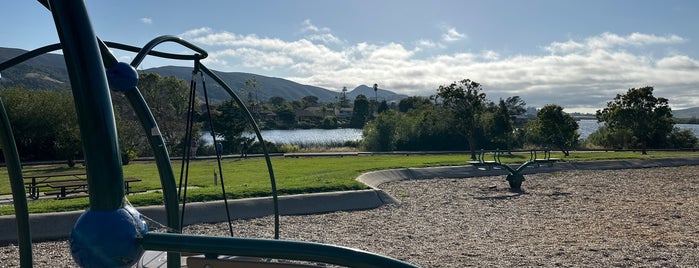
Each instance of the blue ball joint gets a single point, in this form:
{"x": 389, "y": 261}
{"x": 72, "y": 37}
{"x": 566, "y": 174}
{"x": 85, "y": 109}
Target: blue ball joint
{"x": 122, "y": 77}
{"x": 103, "y": 238}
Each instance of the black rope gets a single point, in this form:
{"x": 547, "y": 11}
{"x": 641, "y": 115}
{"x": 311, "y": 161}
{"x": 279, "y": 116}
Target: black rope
{"x": 184, "y": 168}
{"x": 218, "y": 153}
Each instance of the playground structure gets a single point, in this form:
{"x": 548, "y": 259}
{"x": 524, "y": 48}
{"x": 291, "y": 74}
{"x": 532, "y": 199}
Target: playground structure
{"x": 515, "y": 178}
{"x": 112, "y": 233}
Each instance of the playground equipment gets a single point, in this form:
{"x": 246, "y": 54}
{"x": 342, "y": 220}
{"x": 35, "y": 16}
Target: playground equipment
{"x": 111, "y": 233}
{"x": 515, "y": 178}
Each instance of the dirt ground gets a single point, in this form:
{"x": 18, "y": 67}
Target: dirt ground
{"x": 619, "y": 218}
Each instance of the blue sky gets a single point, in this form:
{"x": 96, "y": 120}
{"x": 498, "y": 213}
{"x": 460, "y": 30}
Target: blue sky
{"x": 577, "y": 54}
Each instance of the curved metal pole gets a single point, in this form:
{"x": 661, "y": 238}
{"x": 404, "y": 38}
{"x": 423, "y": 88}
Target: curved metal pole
{"x": 19, "y": 197}
{"x": 166, "y": 38}
{"x": 267, "y": 248}
{"x": 154, "y": 52}
{"x": 248, "y": 115}
{"x": 28, "y": 55}
{"x": 93, "y": 104}
{"x": 162, "y": 158}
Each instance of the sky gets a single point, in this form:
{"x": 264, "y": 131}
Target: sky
{"x": 576, "y": 54}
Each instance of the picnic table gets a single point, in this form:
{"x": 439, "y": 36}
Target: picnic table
{"x": 63, "y": 188}
{"x": 63, "y": 183}
{"x": 38, "y": 180}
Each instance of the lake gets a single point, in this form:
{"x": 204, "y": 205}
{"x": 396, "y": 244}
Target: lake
{"x": 306, "y": 136}
{"x": 339, "y": 136}
{"x": 586, "y": 127}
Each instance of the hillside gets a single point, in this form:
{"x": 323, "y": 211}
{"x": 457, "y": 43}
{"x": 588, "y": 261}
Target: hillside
{"x": 686, "y": 113}
{"x": 48, "y": 71}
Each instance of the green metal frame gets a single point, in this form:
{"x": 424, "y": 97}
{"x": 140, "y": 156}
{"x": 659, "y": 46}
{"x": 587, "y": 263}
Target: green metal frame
{"x": 86, "y": 58}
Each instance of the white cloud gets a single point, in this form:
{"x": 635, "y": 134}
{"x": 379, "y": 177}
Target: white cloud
{"x": 315, "y": 33}
{"x": 452, "y": 35}
{"x": 146, "y": 20}
{"x": 610, "y": 40}
{"x": 576, "y": 74}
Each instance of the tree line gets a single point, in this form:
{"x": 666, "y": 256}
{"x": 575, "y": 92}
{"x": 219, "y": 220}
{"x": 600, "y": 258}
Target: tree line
{"x": 457, "y": 117}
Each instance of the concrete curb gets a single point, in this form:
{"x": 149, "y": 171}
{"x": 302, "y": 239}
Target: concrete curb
{"x": 51, "y": 226}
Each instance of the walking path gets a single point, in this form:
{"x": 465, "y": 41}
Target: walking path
{"x": 49, "y": 226}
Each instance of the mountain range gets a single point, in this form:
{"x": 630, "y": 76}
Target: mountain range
{"x": 48, "y": 71}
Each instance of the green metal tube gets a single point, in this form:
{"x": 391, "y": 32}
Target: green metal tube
{"x": 268, "y": 248}
{"x": 92, "y": 102}
{"x": 162, "y": 159}
{"x": 19, "y": 197}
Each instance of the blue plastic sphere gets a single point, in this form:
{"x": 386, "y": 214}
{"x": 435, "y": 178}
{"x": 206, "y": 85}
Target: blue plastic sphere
{"x": 107, "y": 238}
{"x": 122, "y": 77}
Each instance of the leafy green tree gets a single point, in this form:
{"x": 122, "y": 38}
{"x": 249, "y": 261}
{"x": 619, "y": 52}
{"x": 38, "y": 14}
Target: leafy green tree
{"x": 515, "y": 105}
{"x": 167, "y": 98}
{"x": 277, "y": 101}
{"x": 682, "y": 139}
{"x": 380, "y": 134}
{"x": 287, "y": 116}
{"x": 501, "y": 127}
{"x": 647, "y": 118}
{"x": 415, "y": 102}
{"x": 230, "y": 122}
{"x": 553, "y": 127}
{"x": 44, "y": 123}
{"x": 310, "y": 101}
{"x": 466, "y": 103}
{"x": 383, "y": 106}
{"x": 361, "y": 112}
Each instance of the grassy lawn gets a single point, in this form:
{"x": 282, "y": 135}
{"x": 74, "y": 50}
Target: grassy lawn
{"x": 249, "y": 177}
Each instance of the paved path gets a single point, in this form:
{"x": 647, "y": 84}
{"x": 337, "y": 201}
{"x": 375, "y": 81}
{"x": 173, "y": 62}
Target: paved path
{"x": 48, "y": 226}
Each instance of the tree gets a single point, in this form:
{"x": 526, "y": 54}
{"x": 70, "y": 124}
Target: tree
{"x": 682, "y": 139}
{"x": 167, "y": 98}
{"x": 380, "y": 134}
{"x": 554, "y": 127}
{"x": 310, "y": 101}
{"x": 44, "y": 123}
{"x": 383, "y": 106}
{"x": 230, "y": 122}
{"x": 466, "y": 103}
{"x": 515, "y": 106}
{"x": 647, "y": 118}
{"x": 502, "y": 126}
{"x": 360, "y": 112}
{"x": 277, "y": 101}
{"x": 415, "y": 102}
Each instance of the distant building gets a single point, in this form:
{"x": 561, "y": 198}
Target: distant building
{"x": 343, "y": 113}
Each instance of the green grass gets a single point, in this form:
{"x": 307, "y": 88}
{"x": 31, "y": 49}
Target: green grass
{"x": 249, "y": 177}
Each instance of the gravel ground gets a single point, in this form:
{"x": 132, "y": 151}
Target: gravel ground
{"x": 619, "y": 218}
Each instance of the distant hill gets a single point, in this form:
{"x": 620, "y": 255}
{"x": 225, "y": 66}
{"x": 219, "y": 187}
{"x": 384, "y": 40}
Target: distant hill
{"x": 686, "y": 113}
{"x": 48, "y": 71}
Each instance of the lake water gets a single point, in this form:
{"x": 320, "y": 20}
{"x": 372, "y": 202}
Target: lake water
{"x": 339, "y": 136}
{"x": 307, "y": 136}
{"x": 586, "y": 127}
